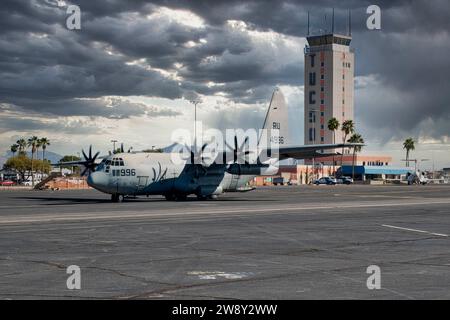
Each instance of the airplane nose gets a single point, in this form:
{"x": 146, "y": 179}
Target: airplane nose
{"x": 90, "y": 179}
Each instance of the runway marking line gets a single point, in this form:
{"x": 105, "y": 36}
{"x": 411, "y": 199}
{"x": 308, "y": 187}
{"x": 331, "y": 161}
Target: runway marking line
{"x": 415, "y": 230}
{"x": 139, "y": 214}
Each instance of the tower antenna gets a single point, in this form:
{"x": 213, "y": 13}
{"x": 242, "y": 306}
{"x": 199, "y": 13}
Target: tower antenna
{"x": 332, "y": 22}
{"x": 349, "y": 22}
{"x": 308, "y": 23}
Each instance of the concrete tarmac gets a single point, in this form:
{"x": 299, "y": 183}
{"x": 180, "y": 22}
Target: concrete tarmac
{"x": 296, "y": 242}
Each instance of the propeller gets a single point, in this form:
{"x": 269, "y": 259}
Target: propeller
{"x": 89, "y": 161}
{"x": 240, "y": 153}
{"x": 197, "y": 158}
{"x": 196, "y": 155}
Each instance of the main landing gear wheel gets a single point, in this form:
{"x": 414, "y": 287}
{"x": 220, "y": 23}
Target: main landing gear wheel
{"x": 117, "y": 197}
{"x": 206, "y": 197}
{"x": 175, "y": 197}
{"x": 169, "y": 197}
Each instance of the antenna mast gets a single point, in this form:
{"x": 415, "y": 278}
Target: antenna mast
{"x": 332, "y": 22}
{"x": 349, "y": 22}
{"x": 308, "y": 23}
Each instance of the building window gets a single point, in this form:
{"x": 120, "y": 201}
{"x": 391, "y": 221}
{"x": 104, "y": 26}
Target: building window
{"x": 321, "y": 114}
{"x": 321, "y": 126}
{"x": 343, "y": 101}
{"x": 311, "y": 94}
{"x": 321, "y": 76}
{"x": 312, "y": 78}
{"x": 312, "y": 117}
{"x": 312, "y": 134}
{"x": 312, "y": 59}
{"x": 343, "y": 77}
{"x": 321, "y": 139}
{"x": 322, "y": 64}
{"x": 321, "y": 89}
{"x": 343, "y": 88}
{"x": 322, "y": 101}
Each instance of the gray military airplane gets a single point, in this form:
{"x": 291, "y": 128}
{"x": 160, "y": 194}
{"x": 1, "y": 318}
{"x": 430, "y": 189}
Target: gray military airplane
{"x": 139, "y": 173}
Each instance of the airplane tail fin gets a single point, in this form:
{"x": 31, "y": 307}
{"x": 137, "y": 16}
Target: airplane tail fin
{"x": 277, "y": 118}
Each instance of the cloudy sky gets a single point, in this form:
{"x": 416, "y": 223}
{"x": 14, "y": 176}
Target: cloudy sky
{"x": 132, "y": 69}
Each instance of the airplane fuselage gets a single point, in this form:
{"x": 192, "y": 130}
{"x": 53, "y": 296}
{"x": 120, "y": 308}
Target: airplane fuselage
{"x": 157, "y": 174}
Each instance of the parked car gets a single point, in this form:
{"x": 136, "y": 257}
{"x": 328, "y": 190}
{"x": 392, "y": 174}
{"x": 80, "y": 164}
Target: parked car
{"x": 7, "y": 183}
{"x": 344, "y": 180}
{"x": 325, "y": 180}
{"x": 278, "y": 180}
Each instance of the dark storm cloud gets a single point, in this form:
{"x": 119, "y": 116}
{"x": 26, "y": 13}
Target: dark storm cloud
{"x": 46, "y": 68}
{"x": 83, "y": 127}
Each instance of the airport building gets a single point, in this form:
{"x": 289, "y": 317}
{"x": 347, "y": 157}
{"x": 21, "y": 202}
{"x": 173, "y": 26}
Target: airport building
{"x": 329, "y": 64}
{"x": 329, "y": 86}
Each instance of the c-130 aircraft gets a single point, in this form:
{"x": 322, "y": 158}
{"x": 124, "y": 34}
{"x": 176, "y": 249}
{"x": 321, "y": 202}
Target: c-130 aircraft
{"x": 140, "y": 173}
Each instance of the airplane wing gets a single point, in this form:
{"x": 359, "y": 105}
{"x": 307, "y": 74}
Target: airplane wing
{"x": 310, "y": 151}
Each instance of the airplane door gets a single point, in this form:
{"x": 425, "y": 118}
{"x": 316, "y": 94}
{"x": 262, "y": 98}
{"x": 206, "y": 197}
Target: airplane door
{"x": 142, "y": 182}
{"x": 234, "y": 181}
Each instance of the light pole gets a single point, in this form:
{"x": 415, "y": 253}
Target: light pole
{"x": 195, "y": 103}
{"x": 114, "y": 145}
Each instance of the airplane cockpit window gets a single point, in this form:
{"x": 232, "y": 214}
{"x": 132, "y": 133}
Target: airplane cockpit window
{"x": 107, "y": 163}
{"x": 117, "y": 162}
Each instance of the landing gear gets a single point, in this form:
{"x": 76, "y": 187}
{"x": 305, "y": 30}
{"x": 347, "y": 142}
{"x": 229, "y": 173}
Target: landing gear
{"x": 170, "y": 197}
{"x": 117, "y": 197}
{"x": 208, "y": 197}
{"x": 175, "y": 197}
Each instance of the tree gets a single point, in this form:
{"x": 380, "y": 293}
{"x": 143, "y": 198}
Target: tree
{"x": 348, "y": 127}
{"x": 355, "y": 138}
{"x": 22, "y": 164}
{"x": 14, "y": 149}
{"x": 153, "y": 150}
{"x": 333, "y": 125}
{"x": 44, "y": 143}
{"x": 32, "y": 142}
{"x": 22, "y": 144}
{"x": 408, "y": 144}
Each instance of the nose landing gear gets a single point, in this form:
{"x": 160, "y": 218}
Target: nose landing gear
{"x": 117, "y": 197}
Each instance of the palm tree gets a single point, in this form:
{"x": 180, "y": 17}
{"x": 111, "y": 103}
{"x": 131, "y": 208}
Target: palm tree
{"x": 14, "y": 149}
{"x": 348, "y": 127}
{"x": 409, "y": 146}
{"x": 333, "y": 125}
{"x": 355, "y": 138}
{"x": 38, "y": 145}
{"x": 44, "y": 143}
{"x": 22, "y": 144}
{"x": 32, "y": 142}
